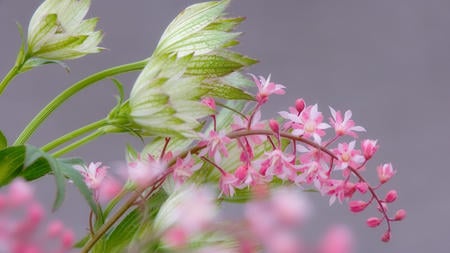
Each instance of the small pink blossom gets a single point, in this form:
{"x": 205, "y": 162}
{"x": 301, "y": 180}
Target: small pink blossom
{"x": 308, "y": 123}
{"x": 266, "y": 88}
{"x": 227, "y": 183}
{"x": 344, "y": 126}
{"x": 144, "y": 172}
{"x": 369, "y": 147}
{"x": 240, "y": 123}
{"x": 348, "y": 156}
{"x": 93, "y": 174}
{"x": 385, "y": 172}
{"x": 278, "y": 164}
{"x": 215, "y": 145}
{"x": 184, "y": 168}
{"x": 210, "y": 102}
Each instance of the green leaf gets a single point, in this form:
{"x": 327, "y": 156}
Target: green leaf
{"x": 11, "y": 163}
{"x": 3, "y": 141}
{"x": 226, "y": 91}
{"x": 136, "y": 222}
{"x": 35, "y": 155}
{"x": 211, "y": 66}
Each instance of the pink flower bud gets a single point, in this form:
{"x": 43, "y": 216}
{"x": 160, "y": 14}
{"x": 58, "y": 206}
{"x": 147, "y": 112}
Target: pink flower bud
{"x": 373, "y": 222}
{"x": 20, "y": 192}
{"x": 67, "y": 239}
{"x": 369, "y": 147}
{"x": 299, "y": 105}
{"x": 362, "y": 187}
{"x": 385, "y": 172}
{"x": 391, "y": 196}
{"x": 210, "y": 102}
{"x": 357, "y": 206}
{"x": 273, "y": 124}
{"x": 386, "y": 236}
{"x": 400, "y": 215}
{"x": 55, "y": 228}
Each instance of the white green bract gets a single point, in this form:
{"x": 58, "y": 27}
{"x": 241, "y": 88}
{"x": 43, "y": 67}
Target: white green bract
{"x": 57, "y": 31}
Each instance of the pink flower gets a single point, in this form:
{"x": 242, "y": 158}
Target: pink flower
{"x": 227, "y": 183}
{"x": 369, "y": 147}
{"x": 385, "y": 172}
{"x": 215, "y": 145}
{"x": 338, "y": 239}
{"x": 23, "y": 227}
{"x": 278, "y": 164}
{"x": 266, "y": 88}
{"x": 247, "y": 175}
{"x": 93, "y": 174}
{"x": 241, "y": 124}
{"x": 144, "y": 172}
{"x": 308, "y": 123}
{"x": 210, "y": 102}
{"x": 348, "y": 156}
{"x": 344, "y": 126}
{"x": 184, "y": 168}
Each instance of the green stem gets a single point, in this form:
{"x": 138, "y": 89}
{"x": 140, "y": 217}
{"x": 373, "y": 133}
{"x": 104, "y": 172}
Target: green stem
{"x": 74, "y": 134}
{"x": 13, "y": 72}
{"x": 72, "y": 90}
{"x": 78, "y": 143}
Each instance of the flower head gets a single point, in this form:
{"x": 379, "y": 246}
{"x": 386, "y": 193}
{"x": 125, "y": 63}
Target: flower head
{"x": 57, "y": 31}
{"x": 266, "y": 88}
{"x": 344, "y": 126}
{"x": 93, "y": 174}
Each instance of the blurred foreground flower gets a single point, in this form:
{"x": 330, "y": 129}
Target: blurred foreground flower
{"x": 21, "y": 219}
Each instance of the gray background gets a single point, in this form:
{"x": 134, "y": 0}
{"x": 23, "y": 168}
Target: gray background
{"x": 387, "y": 60}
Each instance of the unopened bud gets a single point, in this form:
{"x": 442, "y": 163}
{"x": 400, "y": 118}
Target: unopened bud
{"x": 299, "y": 105}
{"x": 357, "y": 206}
{"x": 373, "y": 222}
{"x": 386, "y": 236}
{"x": 391, "y": 196}
{"x": 273, "y": 124}
{"x": 400, "y": 215}
{"x": 369, "y": 147}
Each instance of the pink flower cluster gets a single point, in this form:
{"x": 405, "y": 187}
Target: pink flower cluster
{"x": 300, "y": 148}
{"x": 310, "y": 159}
{"x": 22, "y": 228}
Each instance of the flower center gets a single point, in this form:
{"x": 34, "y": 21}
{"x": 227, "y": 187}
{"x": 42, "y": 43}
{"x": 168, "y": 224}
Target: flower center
{"x": 310, "y": 127}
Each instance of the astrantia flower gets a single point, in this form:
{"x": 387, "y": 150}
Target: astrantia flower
{"x": 57, "y": 31}
{"x": 164, "y": 102}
